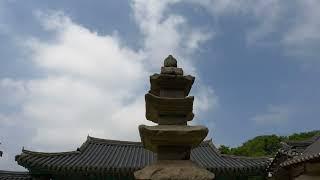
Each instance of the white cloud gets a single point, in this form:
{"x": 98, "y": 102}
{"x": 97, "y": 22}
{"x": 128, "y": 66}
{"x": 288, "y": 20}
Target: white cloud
{"x": 15, "y": 131}
{"x": 267, "y": 14}
{"x": 89, "y": 78}
{"x": 167, "y": 33}
{"x": 95, "y": 84}
{"x": 303, "y": 37}
{"x": 205, "y": 100}
{"x": 196, "y": 38}
{"x": 80, "y": 52}
{"x": 88, "y": 81}
{"x": 275, "y": 115}
{"x": 264, "y": 13}
{"x": 293, "y": 25}
{"x": 12, "y": 92}
{"x": 224, "y": 7}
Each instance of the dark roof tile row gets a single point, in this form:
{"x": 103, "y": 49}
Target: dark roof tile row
{"x": 301, "y": 159}
{"x": 12, "y": 175}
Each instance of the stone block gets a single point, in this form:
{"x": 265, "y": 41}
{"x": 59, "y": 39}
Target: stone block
{"x": 153, "y": 137}
{"x": 175, "y": 109}
{"x": 171, "y": 70}
{"x": 174, "y": 170}
{"x": 171, "y": 82}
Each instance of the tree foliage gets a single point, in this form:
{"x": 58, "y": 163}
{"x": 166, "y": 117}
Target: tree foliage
{"x": 266, "y": 145}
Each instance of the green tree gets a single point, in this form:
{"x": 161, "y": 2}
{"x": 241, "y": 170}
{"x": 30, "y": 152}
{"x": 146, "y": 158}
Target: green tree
{"x": 303, "y": 135}
{"x": 266, "y": 145}
{"x": 224, "y": 149}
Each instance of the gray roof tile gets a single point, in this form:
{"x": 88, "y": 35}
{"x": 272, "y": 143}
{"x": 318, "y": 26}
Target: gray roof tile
{"x": 13, "y": 175}
{"x": 296, "y": 152}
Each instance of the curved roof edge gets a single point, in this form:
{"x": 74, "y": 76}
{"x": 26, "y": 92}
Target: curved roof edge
{"x": 15, "y": 175}
{"x": 301, "y": 159}
{"x": 91, "y": 139}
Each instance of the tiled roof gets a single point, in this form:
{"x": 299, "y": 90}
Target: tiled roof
{"x": 110, "y": 156}
{"x": 314, "y": 148}
{"x": 301, "y": 159}
{"x": 12, "y": 175}
{"x": 295, "y": 148}
{"x": 303, "y": 143}
{"x": 296, "y": 152}
{"x": 310, "y": 153}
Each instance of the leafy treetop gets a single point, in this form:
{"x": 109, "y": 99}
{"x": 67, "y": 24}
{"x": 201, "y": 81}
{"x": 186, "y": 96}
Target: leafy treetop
{"x": 266, "y": 145}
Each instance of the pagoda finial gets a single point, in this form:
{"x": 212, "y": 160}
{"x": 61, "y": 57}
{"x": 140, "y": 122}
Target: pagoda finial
{"x": 170, "y": 61}
{"x": 170, "y": 66}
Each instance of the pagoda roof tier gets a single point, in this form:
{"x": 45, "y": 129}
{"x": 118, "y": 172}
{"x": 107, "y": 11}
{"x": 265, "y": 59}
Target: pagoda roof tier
{"x": 102, "y": 156}
{"x": 171, "y": 82}
{"x": 173, "y": 109}
{"x": 171, "y": 135}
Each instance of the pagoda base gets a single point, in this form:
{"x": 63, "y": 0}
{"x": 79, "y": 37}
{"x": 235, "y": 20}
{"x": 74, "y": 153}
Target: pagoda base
{"x": 173, "y": 170}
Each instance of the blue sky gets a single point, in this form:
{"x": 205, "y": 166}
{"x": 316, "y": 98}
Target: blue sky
{"x": 73, "y": 68}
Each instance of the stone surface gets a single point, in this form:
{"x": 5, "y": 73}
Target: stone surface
{"x": 173, "y": 170}
{"x": 176, "y": 110}
{"x": 170, "y": 82}
{"x": 173, "y": 152}
{"x": 171, "y": 135}
{"x": 173, "y": 120}
{"x": 169, "y": 105}
{"x": 172, "y": 93}
{"x": 170, "y": 61}
{"x": 171, "y": 70}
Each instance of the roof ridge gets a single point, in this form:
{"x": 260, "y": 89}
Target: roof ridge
{"x": 49, "y": 153}
{"x": 306, "y": 141}
{"x": 296, "y": 142}
{"x": 207, "y": 140}
{"x": 300, "y": 159}
{"x": 122, "y": 142}
{"x": 316, "y": 137}
{"x": 210, "y": 143}
{"x": 14, "y": 172}
{"x": 244, "y": 157}
{"x": 91, "y": 139}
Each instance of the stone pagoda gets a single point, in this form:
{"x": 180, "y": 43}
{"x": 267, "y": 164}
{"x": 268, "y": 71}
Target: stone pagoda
{"x": 168, "y": 105}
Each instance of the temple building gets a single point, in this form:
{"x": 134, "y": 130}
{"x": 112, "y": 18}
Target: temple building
{"x": 172, "y": 144}
{"x": 299, "y": 160}
{"x": 110, "y": 159}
